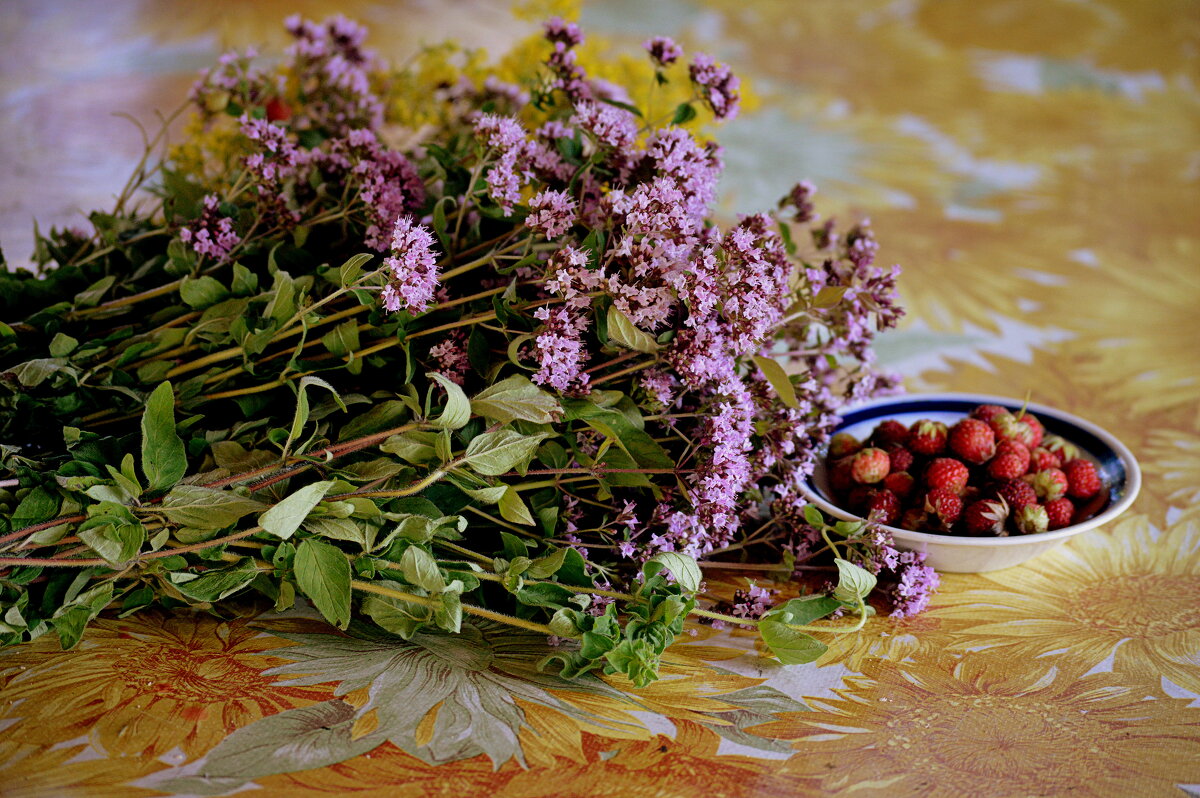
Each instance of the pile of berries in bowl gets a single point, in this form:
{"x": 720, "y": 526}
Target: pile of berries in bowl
{"x": 976, "y": 482}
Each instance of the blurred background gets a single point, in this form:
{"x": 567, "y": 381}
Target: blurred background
{"x": 1032, "y": 164}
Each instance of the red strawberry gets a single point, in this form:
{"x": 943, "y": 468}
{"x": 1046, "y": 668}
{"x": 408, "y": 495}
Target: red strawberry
{"x": 927, "y": 437}
{"x": 890, "y": 433}
{"x": 1031, "y": 519}
{"x": 973, "y": 441}
{"x": 1082, "y": 480}
{"x": 883, "y": 506}
{"x": 1059, "y": 512}
{"x": 278, "y": 110}
{"x": 859, "y": 498}
{"x": 870, "y": 465}
{"x": 1017, "y": 493}
{"x": 943, "y": 505}
{"x": 1042, "y": 458}
{"x": 947, "y": 473}
{"x": 1036, "y": 432}
{"x": 1050, "y": 484}
{"x": 900, "y": 483}
{"x": 986, "y": 413}
{"x": 901, "y": 458}
{"x": 986, "y": 517}
{"x": 1011, "y": 461}
{"x": 843, "y": 444}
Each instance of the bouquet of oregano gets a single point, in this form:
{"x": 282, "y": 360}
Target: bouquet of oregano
{"x": 441, "y": 340}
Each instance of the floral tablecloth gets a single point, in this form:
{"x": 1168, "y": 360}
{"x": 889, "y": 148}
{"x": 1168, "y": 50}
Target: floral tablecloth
{"x": 1032, "y": 164}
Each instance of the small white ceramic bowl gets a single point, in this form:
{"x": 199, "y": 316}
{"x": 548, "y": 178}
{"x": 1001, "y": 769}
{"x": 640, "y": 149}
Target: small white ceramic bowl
{"x": 960, "y": 554}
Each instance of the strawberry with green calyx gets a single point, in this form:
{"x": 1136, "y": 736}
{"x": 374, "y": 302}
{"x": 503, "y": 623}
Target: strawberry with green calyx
{"x": 900, "y": 483}
{"x": 1010, "y": 462}
{"x": 1031, "y": 519}
{"x": 890, "y": 433}
{"x": 1042, "y": 458}
{"x": 986, "y": 413}
{"x": 1061, "y": 447}
{"x": 943, "y": 506}
{"x": 1017, "y": 493}
{"x": 928, "y": 437}
{"x": 883, "y": 506}
{"x": 1049, "y": 484}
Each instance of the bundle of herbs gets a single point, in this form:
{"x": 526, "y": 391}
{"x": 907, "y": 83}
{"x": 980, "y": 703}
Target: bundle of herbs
{"x": 442, "y": 340}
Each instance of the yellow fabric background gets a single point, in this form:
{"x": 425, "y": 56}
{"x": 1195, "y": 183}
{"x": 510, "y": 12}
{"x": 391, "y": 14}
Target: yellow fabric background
{"x": 1034, "y": 167}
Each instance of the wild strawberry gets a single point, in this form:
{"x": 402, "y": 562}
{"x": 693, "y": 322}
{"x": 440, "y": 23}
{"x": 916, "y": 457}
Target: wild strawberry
{"x": 1017, "y": 493}
{"x": 1031, "y": 519}
{"x": 944, "y": 506}
{"x": 900, "y": 483}
{"x": 986, "y": 517}
{"x": 901, "y": 458}
{"x": 1042, "y": 458}
{"x": 947, "y": 473}
{"x": 986, "y": 413}
{"x": 1063, "y": 448}
{"x": 1059, "y": 513}
{"x": 1011, "y": 461}
{"x": 1036, "y": 432}
{"x": 1011, "y": 428}
{"x": 973, "y": 441}
{"x": 843, "y": 444}
{"x": 839, "y": 475}
{"x": 870, "y": 465}
{"x": 927, "y": 437}
{"x": 883, "y": 506}
{"x": 859, "y": 498}
{"x": 1049, "y": 483}
{"x": 890, "y": 433}
{"x": 1082, "y": 480}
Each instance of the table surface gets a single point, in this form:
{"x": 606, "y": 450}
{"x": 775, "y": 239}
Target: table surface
{"x": 1032, "y": 164}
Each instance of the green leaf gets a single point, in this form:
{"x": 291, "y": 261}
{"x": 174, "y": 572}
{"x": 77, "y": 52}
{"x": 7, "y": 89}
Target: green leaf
{"x": 802, "y": 611}
{"x": 245, "y": 282}
{"x": 398, "y": 616}
{"x": 854, "y": 583}
{"x": 420, "y": 569}
{"x": 813, "y": 516}
{"x": 624, "y": 332}
{"x": 516, "y": 398}
{"x": 218, "y": 585}
{"x": 285, "y": 518}
{"x": 547, "y": 566}
{"x": 684, "y": 113}
{"x": 487, "y": 495}
{"x": 792, "y": 647}
{"x": 62, "y": 345}
{"x": 778, "y": 378}
{"x": 206, "y": 508}
{"x": 514, "y": 510}
{"x": 458, "y": 406}
{"x": 684, "y": 568}
{"x": 90, "y": 296}
{"x": 636, "y": 659}
{"x": 164, "y": 460}
{"x": 201, "y": 292}
{"x": 323, "y": 574}
{"x": 300, "y": 417}
{"x": 351, "y": 270}
{"x": 829, "y": 296}
{"x": 32, "y": 373}
{"x": 117, "y": 542}
{"x": 37, "y": 506}
{"x": 496, "y": 453}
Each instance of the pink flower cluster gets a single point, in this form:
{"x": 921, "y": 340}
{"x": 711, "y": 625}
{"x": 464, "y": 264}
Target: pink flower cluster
{"x": 718, "y": 86}
{"x": 334, "y": 69}
{"x": 413, "y": 265}
{"x": 211, "y": 235}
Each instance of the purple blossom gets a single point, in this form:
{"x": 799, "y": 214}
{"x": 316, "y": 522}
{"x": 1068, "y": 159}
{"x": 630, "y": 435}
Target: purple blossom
{"x": 333, "y": 66}
{"x": 916, "y": 585}
{"x": 413, "y": 265}
{"x": 800, "y": 198}
{"x": 609, "y": 126}
{"x": 551, "y": 213}
{"x": 569, "y": 77}
{"x": 663, "y": 50}
{"x": 211, "y": 235}
{"x": 560, "y": 351}
{"x": 717, "y": 84}
{"x": 451, "y": 356}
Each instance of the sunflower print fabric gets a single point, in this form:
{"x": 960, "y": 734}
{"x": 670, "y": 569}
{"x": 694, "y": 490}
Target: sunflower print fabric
{"x": 1034, "y": 166}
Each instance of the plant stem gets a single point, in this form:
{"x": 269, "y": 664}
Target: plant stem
{"x": 479, "y": 612}
{"x": 623, "y": 372}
